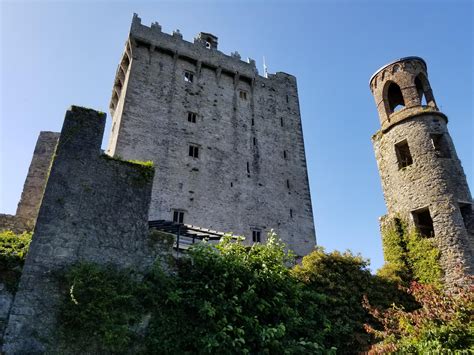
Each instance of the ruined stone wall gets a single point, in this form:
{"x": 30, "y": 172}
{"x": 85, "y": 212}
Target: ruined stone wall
{"x": 35, "y": 182}
{"x": 251, "y": 171}
{"x": 33, "y": 188}
{"x": 94, "y": 209}
{"x": 434, "y": 179}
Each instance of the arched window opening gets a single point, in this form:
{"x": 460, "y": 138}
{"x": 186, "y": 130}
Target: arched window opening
{"x": 424, "y": 92}
{"x": 421, "y": 91}
{"x": 395, "y": 98}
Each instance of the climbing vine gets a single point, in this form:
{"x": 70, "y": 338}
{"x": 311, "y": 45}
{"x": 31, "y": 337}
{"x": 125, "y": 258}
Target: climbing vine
{"x": 408, "y": 255}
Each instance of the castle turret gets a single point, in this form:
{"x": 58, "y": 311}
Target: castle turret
{"x": 422, "y": 177}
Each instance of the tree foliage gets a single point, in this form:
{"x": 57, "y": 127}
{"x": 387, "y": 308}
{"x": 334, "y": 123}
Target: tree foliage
{"x": 443, "y": 324}
{"x": 341, "y": 280}
{"x": 13, "y": 250}
{"x": 225, "y": 299}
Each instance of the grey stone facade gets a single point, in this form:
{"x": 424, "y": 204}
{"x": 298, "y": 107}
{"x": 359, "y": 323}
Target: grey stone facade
{"x": 226, "y": 142}
{"x": 94, "y": 209}
{"x": 33, "y": 188}
{"x": 422, "y": 177}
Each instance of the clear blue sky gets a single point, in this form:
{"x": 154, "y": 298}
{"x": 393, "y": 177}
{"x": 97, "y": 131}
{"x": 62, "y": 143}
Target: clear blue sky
{"x": 54, "y": 54}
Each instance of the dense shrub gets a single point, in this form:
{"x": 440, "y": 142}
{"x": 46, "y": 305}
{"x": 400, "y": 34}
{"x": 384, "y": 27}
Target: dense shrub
{"x": 339, "y": 281}
{"x": 229, "y": 299}
{"x": 13, "y": 250}
{"x": 444, "y": 323}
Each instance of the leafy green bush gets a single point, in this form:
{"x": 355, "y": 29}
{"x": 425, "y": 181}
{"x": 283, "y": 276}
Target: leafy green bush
{"x": 102, "y": 306}
{"x": 444, "y": 323}
{"x": 339, "y": 281}
{"x": 228, "y": 299}
{"x": 13, "y": 250}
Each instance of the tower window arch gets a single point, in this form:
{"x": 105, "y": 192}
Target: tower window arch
{"x": 424, "y": 92}
{"x": 394, "y": 98}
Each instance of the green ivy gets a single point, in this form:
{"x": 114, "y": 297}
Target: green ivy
{"x": 13, "y": 250}
{"x": 409, "y": 256}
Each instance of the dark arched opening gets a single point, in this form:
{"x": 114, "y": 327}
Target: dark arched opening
{"x": 424, "y": 92}
{"x": 395, "y": 98}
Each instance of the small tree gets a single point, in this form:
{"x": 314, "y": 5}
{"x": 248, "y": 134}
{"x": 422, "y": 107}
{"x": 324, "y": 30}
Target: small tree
{"x": 337, "y": 283}
{"x": 444, "y": 322}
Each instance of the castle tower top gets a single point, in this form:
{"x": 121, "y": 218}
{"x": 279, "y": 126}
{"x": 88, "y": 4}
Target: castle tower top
{"x": 401, "y": 90}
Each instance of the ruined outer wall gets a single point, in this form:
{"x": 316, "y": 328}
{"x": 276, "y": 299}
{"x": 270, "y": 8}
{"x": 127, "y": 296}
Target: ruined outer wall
{"x": 94, "y": 209}
{"x": 33, "y": 188}
{"x": 217, "y": 191}
{"x": 37, "y": 176}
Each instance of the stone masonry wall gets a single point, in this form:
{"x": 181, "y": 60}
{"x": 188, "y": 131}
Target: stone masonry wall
{"x": 35, "y": 182}
{"x": 251, "y": 171}
{"x": 33, "y": 188}
{"x": 431, "y": 181}
{"x": 94, "y": 209}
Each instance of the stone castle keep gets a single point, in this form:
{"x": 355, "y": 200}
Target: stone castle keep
{"x": 227, "y": 143}
{"x": 228, "y": 155}
{"x": 422, "y": 178}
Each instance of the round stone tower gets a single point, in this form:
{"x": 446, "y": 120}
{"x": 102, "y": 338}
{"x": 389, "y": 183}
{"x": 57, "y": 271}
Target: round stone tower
{"x": 422, "y": 178}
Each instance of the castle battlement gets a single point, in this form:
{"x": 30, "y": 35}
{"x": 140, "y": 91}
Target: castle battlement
{"x": 204, "y": 46}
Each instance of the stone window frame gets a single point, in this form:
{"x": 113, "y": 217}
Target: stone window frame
{"x": 402, "y": 161}
{"x": 188, "y": 76}
{"x": 243, "y": 95}
{"x": 193, "y": 150}
{"x": 440, "y": 145}
{"x": 178, "y": 215}
{"x": 426, "y": 230}
{"x": 256, "y": 235}
{"x": 467, "y": 216}
{"x": 192, "y": 117}
{"x": 390, "y": 101}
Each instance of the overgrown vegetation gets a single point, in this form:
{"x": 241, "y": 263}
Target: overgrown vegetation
{"x": 443, "y": 324}
{"x": 232, "y": 298}
{"x": 409, "y": 256}
{"x": 339, "y": 282}
{"x": 228, "y": 299}
{"x": 13, "y": 249}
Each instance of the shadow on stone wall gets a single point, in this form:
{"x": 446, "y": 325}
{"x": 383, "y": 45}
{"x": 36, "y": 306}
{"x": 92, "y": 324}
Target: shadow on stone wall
{"x": 94, "y": 209}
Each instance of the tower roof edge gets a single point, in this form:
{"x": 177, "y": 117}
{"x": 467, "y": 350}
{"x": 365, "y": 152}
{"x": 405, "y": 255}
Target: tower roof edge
{"x": 396, "y": 61}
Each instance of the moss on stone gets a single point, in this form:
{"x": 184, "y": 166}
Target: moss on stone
{"x": 146, "y": 169}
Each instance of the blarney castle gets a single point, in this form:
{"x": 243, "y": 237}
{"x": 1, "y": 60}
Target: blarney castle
{"x": 228, "y": 154}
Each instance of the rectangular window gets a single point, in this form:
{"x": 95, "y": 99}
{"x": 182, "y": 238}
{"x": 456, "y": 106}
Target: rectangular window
{"x": 281, "y": 121}
{"x": 188, "y": 76}
{"x": 192, "y": 117}
{"x": 253, "y": 122}
{"x": 256, "y": 236}
{"x": 243, "y": 95}
{"x": 403, "y": 154}
{"x": 254, "y": 141}
{"x": 423, "y": 222}
{"x": 288, "y": 184}
{"x": 285, "y": 155}
{"x": 291, "y": 213}
{"x": 440, "y": 145}
{"x": 194, "y": 151}
{"x": 178, "y": 216}
{"x": 466, "y": 213}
